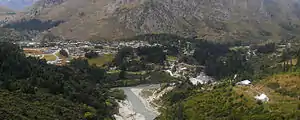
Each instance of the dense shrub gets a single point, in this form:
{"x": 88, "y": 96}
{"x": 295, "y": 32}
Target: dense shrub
{"x": 91, "y": 54}
{"x": 267, "y": 48}
{"x": 64, "y": 53}
{"x": 118, "y": 94}
{"x": 78, "y": 83}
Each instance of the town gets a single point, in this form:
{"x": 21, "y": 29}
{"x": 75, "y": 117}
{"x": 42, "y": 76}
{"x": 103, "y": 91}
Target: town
{"x": 52, "y": 51}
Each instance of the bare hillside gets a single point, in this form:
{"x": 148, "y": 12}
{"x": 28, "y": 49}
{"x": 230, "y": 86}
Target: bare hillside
{"x": 253, "y": 20}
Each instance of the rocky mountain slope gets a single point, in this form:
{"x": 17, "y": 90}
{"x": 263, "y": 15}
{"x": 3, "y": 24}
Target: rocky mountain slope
{"x": 5, "y": 10}
{"x": 253, "y": 20}
{"x": 6, "y": 14}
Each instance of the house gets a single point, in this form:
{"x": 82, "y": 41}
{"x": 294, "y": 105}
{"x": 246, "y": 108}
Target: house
{"x": 51, "y": 62}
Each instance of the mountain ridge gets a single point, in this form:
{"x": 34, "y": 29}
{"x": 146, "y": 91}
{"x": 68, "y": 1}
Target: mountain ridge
{"x": 255, "y": 20}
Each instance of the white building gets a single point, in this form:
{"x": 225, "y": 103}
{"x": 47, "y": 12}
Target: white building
{"x": 244, "y": 82}
{"x": 262, "y": 97}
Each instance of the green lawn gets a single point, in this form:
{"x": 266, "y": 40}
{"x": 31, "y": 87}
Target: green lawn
{"x": 101, "y": 60}
{"x": 171, "y": 58}
{"x": 59, "y": 55}
{"x": 137, "y": 73}
{"x": 49, "y": 57}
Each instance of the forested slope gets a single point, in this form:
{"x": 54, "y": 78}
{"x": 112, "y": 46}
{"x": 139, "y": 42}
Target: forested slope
{"x": 17, "y": 105}
{"x": 54, "y": 92}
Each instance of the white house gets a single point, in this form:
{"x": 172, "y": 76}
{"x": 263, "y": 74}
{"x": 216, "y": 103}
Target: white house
{"x": 244, "y": 82}
{"x": 262, "y": 97}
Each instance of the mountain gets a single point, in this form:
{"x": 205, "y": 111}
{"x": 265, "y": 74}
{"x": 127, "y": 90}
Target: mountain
{"x": 17, "y": 4}
{"x": 5, "y": 9}
{"x": 222, "y": 20}
{"x": 6, "y": 14}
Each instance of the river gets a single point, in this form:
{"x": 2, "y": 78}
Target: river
{"x": 137, "y": 104}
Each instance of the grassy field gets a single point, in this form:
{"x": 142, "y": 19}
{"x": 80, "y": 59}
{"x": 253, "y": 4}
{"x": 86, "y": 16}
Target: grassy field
{"x": 59, "y": 55}
{"x": 284, "y": 84}
{"x": 171, "y": 58}
{"x": 101, "y": 60}
{"x": 49, "y": 57}
{"x": 32, "y": 51}
{"x": 283, "y": 91}
{"x": 137, "y": 73}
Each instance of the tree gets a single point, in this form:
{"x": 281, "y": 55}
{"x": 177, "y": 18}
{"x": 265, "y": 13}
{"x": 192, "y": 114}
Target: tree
{"x": 123, "y": 55}
{"x": 91, "y": 54}
{"x": 152, "y": 54}
{"x": 123, "y": 72}
{"x": 206, "y": 51}
{"x": 187, "y": 59}
{"x": 267, "y": 48}
{"x": 79, "y": 63}
{"x": 298, "y": 59}
{"x": 76, "y": 83}
{"x": 285, "y": 58}
{"x": 64, "y": 53}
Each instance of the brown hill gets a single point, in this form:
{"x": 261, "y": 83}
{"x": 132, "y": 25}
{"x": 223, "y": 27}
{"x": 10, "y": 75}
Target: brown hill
{"x": 6, "y": 14}
{"x": 254, "y": 20}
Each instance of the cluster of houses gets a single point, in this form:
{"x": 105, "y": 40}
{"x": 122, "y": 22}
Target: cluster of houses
{"x": 183, "y": 70}
{"x": 80, "y": 48}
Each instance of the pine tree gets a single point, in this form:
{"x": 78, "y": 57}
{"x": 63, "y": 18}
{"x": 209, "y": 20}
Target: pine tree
{"x": 285, "y": 59}
{"x": 123, "y": 71}
{"x": 298, "y": 59}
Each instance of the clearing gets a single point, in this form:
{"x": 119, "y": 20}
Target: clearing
{"x": 49, "y": 57}
{"x": 101, "y": 60}
{"x": 283, "y": 91}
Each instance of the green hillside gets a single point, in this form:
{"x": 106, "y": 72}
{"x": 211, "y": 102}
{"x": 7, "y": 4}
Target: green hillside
{"x": 42, "y": 91}
{"x": 237, "y": 102}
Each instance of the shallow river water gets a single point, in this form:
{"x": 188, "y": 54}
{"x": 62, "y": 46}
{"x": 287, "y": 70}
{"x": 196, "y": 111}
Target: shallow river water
{"x": 137, "y": 104}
